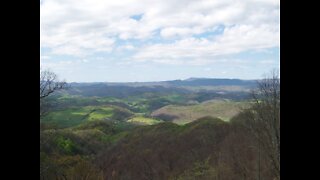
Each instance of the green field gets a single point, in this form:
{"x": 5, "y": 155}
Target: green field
{"x": 76, "y": 115}
{"x": 143, "y": 120}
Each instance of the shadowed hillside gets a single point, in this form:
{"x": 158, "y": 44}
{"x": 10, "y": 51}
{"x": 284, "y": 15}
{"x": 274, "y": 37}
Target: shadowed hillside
{"x": 198, "y": 150}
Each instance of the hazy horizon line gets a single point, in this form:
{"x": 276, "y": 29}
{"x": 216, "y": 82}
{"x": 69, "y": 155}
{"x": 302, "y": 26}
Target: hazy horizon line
{"x": 243, "y": 79}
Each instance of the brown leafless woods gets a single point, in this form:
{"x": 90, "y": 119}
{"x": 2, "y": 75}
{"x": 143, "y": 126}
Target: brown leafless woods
{"x": 262, "y": 120}
{"x": 266, "y": 119}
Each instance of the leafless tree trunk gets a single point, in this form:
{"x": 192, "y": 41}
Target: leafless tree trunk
{"x": 266, "y": 118}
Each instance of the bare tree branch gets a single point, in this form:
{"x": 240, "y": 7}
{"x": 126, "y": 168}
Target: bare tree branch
{"x": 49, "y": 83}
{"x": 264, "y": 118}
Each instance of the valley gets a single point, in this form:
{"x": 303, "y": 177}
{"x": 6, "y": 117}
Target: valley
{"x": 163, "y": 130}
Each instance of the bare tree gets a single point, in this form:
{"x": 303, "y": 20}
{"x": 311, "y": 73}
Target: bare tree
{"x": 265, "y": 119}
{"x": 49, "y": 83}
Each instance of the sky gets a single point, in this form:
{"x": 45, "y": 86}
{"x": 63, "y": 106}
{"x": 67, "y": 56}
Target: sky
{"x": 156, "y": 40}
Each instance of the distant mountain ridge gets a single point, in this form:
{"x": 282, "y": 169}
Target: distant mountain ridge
{"x": 212, "y": 82}
{"x": 187, "y": 82}
{"x": 203, "y": 88}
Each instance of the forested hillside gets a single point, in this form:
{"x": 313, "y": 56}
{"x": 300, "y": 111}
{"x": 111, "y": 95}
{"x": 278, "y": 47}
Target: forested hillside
{"x": 111, "y": 131}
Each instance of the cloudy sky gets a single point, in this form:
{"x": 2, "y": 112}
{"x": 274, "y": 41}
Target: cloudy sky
{"x": 152, "y": 40}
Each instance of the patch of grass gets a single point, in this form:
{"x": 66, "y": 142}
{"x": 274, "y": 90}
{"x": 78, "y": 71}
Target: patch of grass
{"x": 144, "y": 120}
{"x": 100, "y": 113}
{"x": 76, "y": 115}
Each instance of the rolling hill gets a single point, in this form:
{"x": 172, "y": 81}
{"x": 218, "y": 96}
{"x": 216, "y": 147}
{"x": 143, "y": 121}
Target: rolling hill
{"x": 223, "y": 109}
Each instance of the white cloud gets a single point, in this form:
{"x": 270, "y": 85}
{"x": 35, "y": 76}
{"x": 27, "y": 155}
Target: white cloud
{"x": 125, "y": 48}
{"x": 174, "y": 31}
{"x": 80, "y": 28}
{"x": 44, "y": 57}
{"x": 201, "y": 51}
